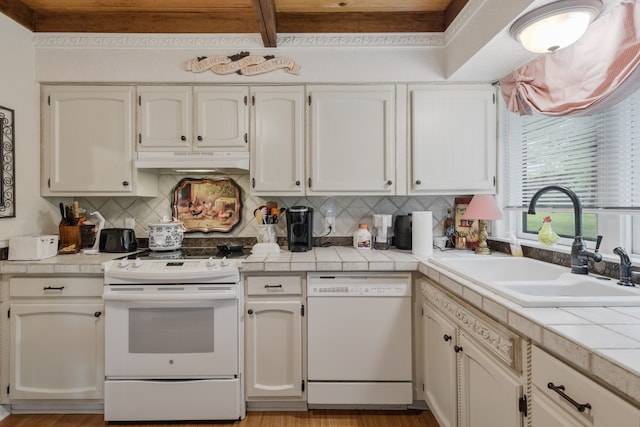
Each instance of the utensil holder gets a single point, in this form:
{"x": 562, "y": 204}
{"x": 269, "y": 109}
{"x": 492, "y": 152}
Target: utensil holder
{"x": 70, "y": 239}
{"x": 267, "y": 234}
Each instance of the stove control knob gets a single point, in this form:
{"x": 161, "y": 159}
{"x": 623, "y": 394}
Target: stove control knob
{"x": 124, "y": 263}
{"x": 137, "y": 263}
{"x": 224, "y": 262}
{"x": 211, "y": 262}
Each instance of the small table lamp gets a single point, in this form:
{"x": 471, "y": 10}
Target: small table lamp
{"x": 483, "y": 207}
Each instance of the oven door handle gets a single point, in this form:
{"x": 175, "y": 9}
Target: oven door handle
{"x": 187, "y": 296}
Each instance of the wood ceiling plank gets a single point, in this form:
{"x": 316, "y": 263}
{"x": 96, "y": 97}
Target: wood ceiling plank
{"x": 265, "y": 11}
{"x": 17, "y": 11}
{"x": 357, "y": 22}
{"x": 309, "y": 6}
{"x": 138, "y": 5}
{"x": 147, "y": 23}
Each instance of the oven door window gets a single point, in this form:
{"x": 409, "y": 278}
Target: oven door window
{"x": 171, "y": 330}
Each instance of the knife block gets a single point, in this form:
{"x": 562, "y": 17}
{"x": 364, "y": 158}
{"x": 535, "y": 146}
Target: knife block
{"x": 70, "y": 239}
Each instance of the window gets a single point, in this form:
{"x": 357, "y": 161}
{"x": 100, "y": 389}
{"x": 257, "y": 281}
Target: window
{"x": 597, "y": 156}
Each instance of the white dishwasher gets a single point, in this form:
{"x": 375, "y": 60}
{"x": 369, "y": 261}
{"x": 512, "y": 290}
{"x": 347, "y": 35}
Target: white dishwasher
{"x": 359, "y": 339}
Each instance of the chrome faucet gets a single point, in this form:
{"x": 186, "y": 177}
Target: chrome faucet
{"x": 579, "y": 253}
{"x": 625, "y": 267}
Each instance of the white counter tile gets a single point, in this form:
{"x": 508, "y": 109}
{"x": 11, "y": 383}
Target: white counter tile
{"x": 601, "y": 315}
{"x": 595, "y": 336}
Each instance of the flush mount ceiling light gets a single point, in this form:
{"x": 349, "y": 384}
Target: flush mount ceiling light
{"x": 555, "y": 25}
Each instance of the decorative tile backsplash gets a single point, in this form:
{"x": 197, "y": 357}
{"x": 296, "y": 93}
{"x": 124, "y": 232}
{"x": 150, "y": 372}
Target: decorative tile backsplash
{"x": 349, "y": 211}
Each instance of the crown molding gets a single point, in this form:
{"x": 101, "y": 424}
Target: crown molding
{"x": 245, "y": 41}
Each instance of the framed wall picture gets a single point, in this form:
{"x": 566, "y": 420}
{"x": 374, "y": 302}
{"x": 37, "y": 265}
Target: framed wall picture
{"x": 207, "y": 204}
{"x": 7, "y": 156}
{"x": 467, "y": 228}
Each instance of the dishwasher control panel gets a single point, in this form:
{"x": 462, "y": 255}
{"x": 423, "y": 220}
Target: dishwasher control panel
{"x": 347, "y": 285}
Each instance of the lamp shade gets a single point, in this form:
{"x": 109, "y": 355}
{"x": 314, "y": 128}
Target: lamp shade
{"x": 555, "y": 25}
{"x": 483, "y": 206}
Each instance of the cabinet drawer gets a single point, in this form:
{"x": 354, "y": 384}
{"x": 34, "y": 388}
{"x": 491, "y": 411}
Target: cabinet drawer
{"x": 274, "y": 285}
{"x": 56, "y": 287}
{"x": 606, "y": 407}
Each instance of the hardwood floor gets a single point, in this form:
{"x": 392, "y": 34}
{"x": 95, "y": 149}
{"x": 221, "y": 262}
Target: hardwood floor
{"x": 312, "y": 418}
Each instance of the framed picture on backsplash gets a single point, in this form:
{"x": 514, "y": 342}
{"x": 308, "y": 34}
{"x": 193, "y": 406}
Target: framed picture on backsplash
{"x": 467, "y": 228}
{"x": 207, "y": 204}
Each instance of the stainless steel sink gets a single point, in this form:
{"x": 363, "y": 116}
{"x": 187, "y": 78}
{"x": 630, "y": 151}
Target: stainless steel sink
{"x": 533, "y": 283}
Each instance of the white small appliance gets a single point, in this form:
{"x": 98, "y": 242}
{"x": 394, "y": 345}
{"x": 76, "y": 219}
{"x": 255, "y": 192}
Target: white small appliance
{"x": 382, "y": 231}
{"x": 32, "y": 248}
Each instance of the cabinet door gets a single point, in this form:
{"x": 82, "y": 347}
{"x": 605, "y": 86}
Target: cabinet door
{"x": 277, "y": 141}
{"x": 273, "y": 353}
{"x": 351, "y": 140}
{"x": 57, "y": 351}
{"x": 440, "y": 366}
{"x": 489, "y": 392}
{"x": 453, "y": 139}
{"x": 164, "y": 118}
{"x": 221, "y": 118}
{"x": 88, "y": 140}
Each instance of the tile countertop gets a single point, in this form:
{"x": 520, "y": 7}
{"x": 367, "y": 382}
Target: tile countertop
{"x": 603, "y": 341}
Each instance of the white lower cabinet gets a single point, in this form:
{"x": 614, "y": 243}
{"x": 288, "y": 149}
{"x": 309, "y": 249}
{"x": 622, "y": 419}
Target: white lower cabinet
{"x": 56, "y": 338}
{"x": 561, "y": 396}
{"x": 472, "y": 364}
{"x": 274, "y": 338}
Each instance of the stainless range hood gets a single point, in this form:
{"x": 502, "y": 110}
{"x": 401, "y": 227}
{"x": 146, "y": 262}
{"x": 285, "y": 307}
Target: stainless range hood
{"x": 192, "y": 160}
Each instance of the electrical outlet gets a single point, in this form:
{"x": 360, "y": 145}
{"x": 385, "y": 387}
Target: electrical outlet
{"x": 129, "y": 223}
{"x": 330, "y": 221}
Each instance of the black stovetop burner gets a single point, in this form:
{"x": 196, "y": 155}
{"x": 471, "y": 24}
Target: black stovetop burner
{"x": 190, "y": 253}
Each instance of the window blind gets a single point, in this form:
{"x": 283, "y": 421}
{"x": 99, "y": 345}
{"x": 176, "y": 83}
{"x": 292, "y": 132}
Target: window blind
{"x": 594, "y": 155}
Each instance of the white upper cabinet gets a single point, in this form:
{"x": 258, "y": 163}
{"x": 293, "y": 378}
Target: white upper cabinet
{"x": 351, "y": 140}
{"x": 453, "y": 139}
{"x": 88, "y": 134}
{"x": 164, "y": 118}
{"x": 221, "y": 117}
{"x": 186, "y": 118}
{"x": 277, "y": 140}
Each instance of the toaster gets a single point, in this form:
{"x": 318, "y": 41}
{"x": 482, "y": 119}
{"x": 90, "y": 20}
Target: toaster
{"x": 117, "y": 240}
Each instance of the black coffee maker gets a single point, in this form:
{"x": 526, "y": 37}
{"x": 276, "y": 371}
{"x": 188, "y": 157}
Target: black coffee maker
{"x": 300, "y": 228}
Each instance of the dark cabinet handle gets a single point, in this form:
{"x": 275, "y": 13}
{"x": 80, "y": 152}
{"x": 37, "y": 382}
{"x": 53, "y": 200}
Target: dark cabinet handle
{"x": 272, "y": 286}
{"x": 457, "y": 348}
{"x": 560, "y": 390}
{"x": 183, "y": 138}
{"x": 199, "y": 137}
{"x": 250, "y": 311}
{"x": 97, "y": 314}
{"x": 125, "y": 183}
{"x": 53, "y": 288}
{"x": 418, "y": 182}
{"x": 447, "y": 337}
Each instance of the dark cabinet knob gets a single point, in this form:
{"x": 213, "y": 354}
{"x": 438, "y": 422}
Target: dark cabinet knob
{"x": 97, "y": 314}
{"x": 389, "y": 182}
{"x": 298, "y": 183}
{"x": 184, "y": 138}
{"x": 199, "y": 137}
{"x": 418, "y": 182}
{"x": 457, "y": 348}
{"x": 447, "y": 337}
{"x": 125, "y": 183}
{"x": 250, "y": 311}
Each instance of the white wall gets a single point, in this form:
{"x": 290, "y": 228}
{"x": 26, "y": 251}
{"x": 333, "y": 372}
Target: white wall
{"x": 20, "y": 91}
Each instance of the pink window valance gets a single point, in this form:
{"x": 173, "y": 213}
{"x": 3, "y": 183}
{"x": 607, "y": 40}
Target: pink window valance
{"x": 597, "y": 71}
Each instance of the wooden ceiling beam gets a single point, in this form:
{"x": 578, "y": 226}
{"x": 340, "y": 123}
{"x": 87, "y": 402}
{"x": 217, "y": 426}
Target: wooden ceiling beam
{"x": 361, "y": 22}
{"x": 149, "y": 22}
{"x": 19, "y": 12}
{"x": 265, "y": 11}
